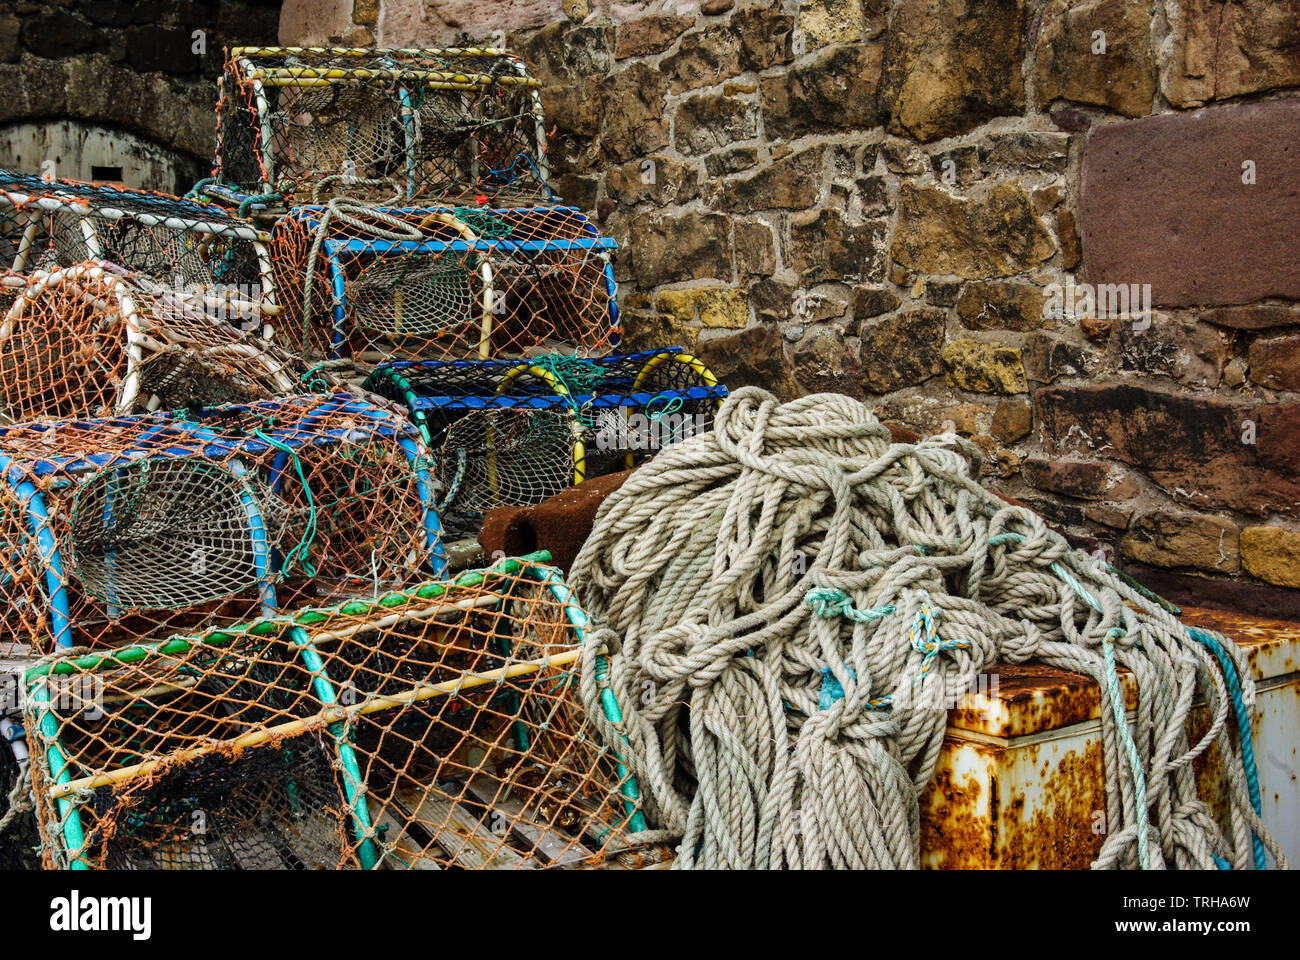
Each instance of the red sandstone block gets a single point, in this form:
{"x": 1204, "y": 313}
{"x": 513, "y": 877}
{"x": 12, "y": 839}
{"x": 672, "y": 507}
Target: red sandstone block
{"x": 1163, "y": 202}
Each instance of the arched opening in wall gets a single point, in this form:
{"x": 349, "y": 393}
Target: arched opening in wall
{"x": 74, "y": 150}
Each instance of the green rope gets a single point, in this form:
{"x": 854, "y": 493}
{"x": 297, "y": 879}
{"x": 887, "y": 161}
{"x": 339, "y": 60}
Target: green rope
{"x": 574, "y": 375}
{"x": 671, "y": 405}
{"x": 1115, "y": 694}
{"x": 266, "y": 198}
{"x": 298, "y": 554}
{"x": 829, "y": 602}
{"x": 484, "y": 223}
{"x": 318, "y": 384}
{"x": 196, "y": 192}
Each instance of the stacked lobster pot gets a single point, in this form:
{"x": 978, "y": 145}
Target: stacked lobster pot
{"x": 514, "y": 432}
{"x": 419, "y": 229}
{"x": 428, "y": 728}
{"x": 224, "y": 579}
{"x": 120, "y": 301}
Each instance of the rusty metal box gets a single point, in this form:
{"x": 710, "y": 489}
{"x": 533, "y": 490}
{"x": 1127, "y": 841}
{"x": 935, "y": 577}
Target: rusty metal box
{"x": 1020, "y": 783}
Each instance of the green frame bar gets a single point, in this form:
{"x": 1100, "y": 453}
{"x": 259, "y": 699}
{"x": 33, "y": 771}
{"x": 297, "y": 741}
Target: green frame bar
{"x": 292, "y": 625}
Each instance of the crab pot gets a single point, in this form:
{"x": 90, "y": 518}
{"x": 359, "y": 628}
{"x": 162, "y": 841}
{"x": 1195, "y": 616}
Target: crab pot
{"x": 311, "y": 123}
{"x": 154, "y": 744}
{"x": 433, "y": 728}
{"x": 517, "y": 432}
{"x": 92, "y": 340}
{"x": 375, "y": 284}
{"x": 195, "y": 250}
{"x": 120, "y": 529}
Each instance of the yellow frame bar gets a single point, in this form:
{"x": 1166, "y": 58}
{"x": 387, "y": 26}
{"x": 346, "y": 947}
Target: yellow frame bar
{"x": 438, "y": 79}
{"x": 695, "y": 363}
{"x": 323, "y": 718}
{"x": 579, "y": 448}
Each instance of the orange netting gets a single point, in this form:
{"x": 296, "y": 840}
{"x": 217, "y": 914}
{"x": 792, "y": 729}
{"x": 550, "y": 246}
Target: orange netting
{"x": 116, "y": 530}
{"x": 380, "y": 124}
{"x": 373, "y": 284}
{"x": 192, "y": 249}
{"x": 91, "y": 340}
{"x": 437, "y": 728}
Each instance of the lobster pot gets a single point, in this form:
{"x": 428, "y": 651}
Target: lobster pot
{"x": 310, "y": 123}
{"x": 92, "y": 340}
{"x": 171, "y": 761}
{"x": 438, "y": 727}
{"x": 374, "y": 284}
{"x": 120, "y": 529}
{"x": 194, "y": 250}
{"x": 517, "y": 432}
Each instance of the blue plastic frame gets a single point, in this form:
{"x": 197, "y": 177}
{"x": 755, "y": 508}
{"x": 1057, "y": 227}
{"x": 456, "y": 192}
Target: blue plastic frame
{"x": 309, "y": 214}
{"x": 202, "y": 442}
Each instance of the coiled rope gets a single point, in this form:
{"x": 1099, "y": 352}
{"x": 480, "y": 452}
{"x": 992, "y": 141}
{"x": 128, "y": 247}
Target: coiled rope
{"x": 789, "y": 605}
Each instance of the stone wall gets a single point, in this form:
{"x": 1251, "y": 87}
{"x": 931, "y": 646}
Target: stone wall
{"x": 133, "y": 75}
{"x": 903, "y": 200}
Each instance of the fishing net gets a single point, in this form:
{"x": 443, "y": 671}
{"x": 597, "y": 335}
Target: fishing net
{"x": 380, "y": 124}
{"x": 91, "y": 340}
{"x": 434, "y": 728}
{"x": 383, "y": 283}
{"x": 494, "y": 457}
{"x": 195, "y": 250}
{"x": 116, "y": 530}
{"x": 516, "y": 432}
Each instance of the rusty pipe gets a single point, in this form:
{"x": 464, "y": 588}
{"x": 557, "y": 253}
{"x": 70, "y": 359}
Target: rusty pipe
{"x": 560, "y": 524}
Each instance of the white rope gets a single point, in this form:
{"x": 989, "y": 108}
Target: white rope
{"x": 362, "y": 217}
{"x": 790, "y": 603}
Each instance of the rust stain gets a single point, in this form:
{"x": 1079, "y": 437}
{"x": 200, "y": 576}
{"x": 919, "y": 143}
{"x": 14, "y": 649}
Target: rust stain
{"x": 1031, "y": 698}
{"x": 1033, "y": 811}
{"x": 1043, "y": 805}
{"x": 1057, "y": 831}
{"x": 955, "y": 822}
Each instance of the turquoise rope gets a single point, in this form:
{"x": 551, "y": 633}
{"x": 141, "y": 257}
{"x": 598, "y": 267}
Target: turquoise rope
{"x": 1244, "y": 732}
{"x": 1139, "y": 778}
{"x": 314, "y": 383}
{"x": 1116, "y": 695}
{"x": 828, "y": 602}
{"x": 247, "y": 202}
{"x": 298, "y": 554}
{"x": 576, "y": 376}
{"x": 1234, "y": 690}
{"x": 196, "y": 191}
{"x": 671, "y": 405}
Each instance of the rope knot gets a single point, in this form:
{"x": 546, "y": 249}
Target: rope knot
{"x": 827, "y": 602}
{"x": 925, "y": 635}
